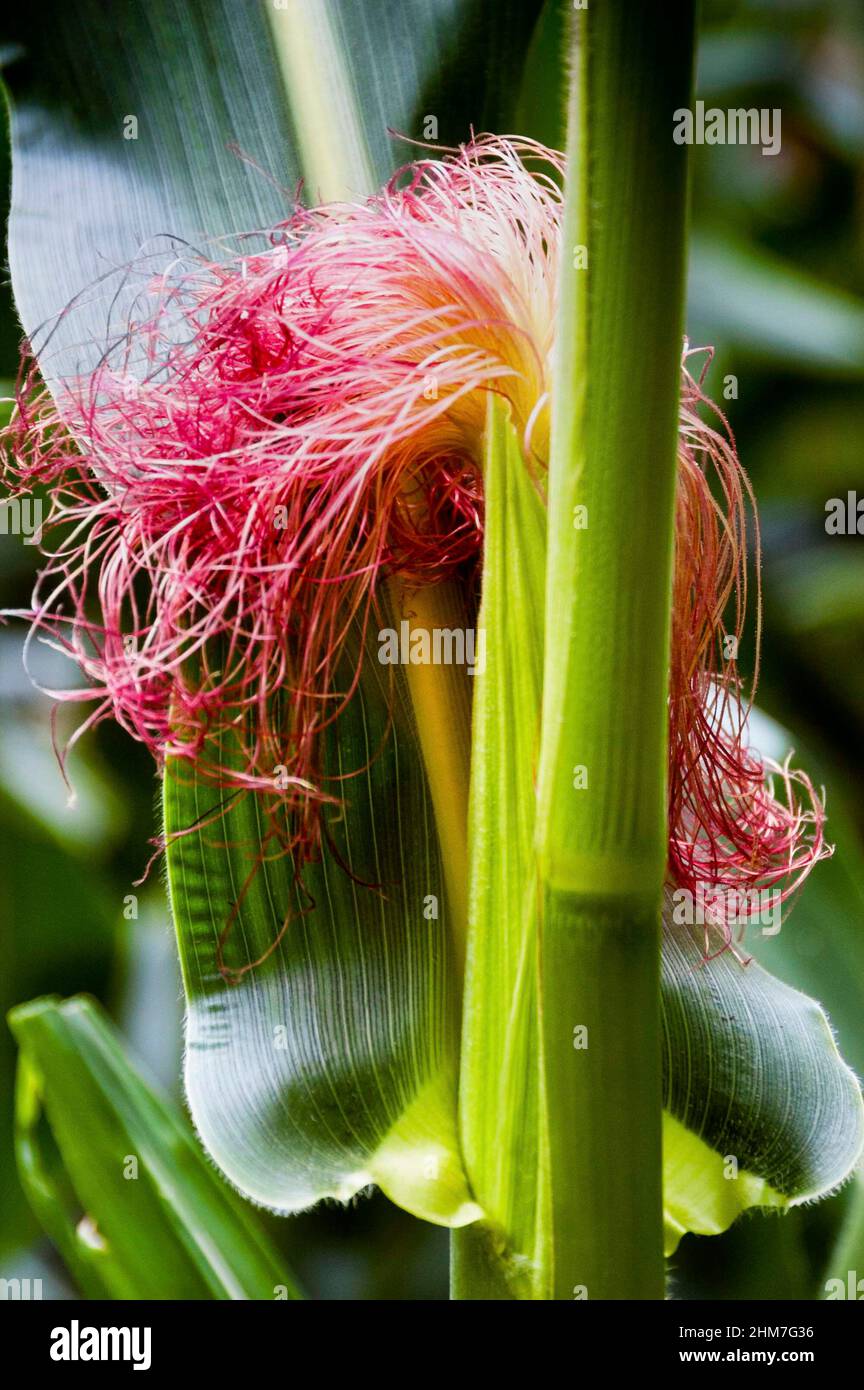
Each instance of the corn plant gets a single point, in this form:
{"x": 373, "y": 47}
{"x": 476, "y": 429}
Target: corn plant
{"x": 390, "y": 510}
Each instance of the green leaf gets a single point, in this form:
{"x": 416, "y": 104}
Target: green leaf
{"x": 541, "y": 109}
{"x": 116, "y": 1176}
{"x": 819, "y": 951}
{"x": 57, "y": 926}
{"x": 756, "y": 303}
{"x": 843, "y": 1276}
{"x": 192, "y": 83}
{"x": 761, "y": 1109}
{"x": 804, "y": 1133}
{"x": 241, "y": 78}
{"x": 202, "y": 78}
{"x": 220, "y": 144}
{"x": 820, "y": 948}
{"x": 331, "y": 1064}
{"x": 751, "y": 1071}
{"x": 500, "y": 1109}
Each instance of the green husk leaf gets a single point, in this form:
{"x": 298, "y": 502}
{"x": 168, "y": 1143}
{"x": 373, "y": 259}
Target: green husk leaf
{"x": 331, "y": 1064}
{"x": 751, "y": 1071}
{"x": 818, "y": 950}
{"x": 500, "y": 1103}
{"x": 761, "y": 1109}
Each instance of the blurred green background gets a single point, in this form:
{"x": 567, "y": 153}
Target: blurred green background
{"x": 777, "y": 287}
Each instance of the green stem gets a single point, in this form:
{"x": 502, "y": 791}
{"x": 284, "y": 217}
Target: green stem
{"x": 601, "y": 835}
{"x": 477, "y": 1273}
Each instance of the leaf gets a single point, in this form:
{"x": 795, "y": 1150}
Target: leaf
{"x": 751, "y": 1071}
{"x": 843, "y": 1276}
{"x": 195, "y": 100}
{"x": 89, "y": 822}
{"x": 115, "y": 1174}
{"x": 187, "y": 108}
{"x": 815, "y": 1100}
{"x": 818, "y": 588}
{"x": 820, "y": 948}
{"x": 757, "y": 303}
{"x": 214, "y": 153}
{"x": 331, "y": 1064}
{"x": 500, "y": 1114}
{"x": 761, "y": 1110}
{"x": 57, "y": 926}
{"x": 139, "y": 199}
{"x": 819, "y": 951}
{"x": 541, "y": 107}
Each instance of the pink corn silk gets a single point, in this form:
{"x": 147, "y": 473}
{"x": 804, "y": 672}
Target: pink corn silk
{"x": 308, "y": 420}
